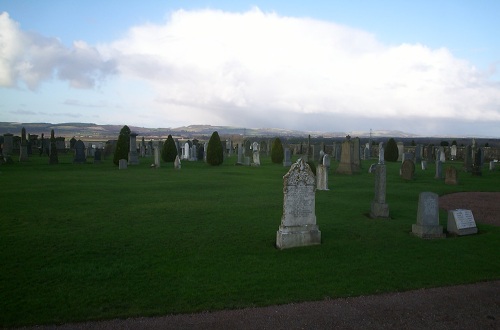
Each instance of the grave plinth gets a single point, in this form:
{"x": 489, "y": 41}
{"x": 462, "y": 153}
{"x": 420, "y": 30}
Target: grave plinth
{"x": 461, "y": 222}
{"x": 298, "y": 222}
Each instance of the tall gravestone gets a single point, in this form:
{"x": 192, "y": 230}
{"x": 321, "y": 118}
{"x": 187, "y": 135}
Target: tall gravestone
{"x": 80, "y": 156}
{"x": 427, "y": 225}
{"x": 287, "y": 159}
{"x": 418, "y": 153}
{"x": 157, "y": 159}
{"x": 97, "y": 156}
{"x": 453, "y": 152}
{"x": 326, "y": 161}
{"x": 8, "y": 144}
{"x": 133, "y": 156}
{"x": 240, "y": 154}
{"x": 256, "y": 154}
{"x": 23, "y": 151}
{"x": 356, "y": 155}
{"x": 379, "y": 207}
{"x": 381, "y": 153}
{"x": 346, "y": 158}
{"x": 298, "y": 222}
{"x": 322, "y": 177}
{"x": 468, "y": 158}
{"x": 401, "y": 150}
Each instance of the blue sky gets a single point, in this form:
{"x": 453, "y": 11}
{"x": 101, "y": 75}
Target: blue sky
{"x": 423, "y": 67}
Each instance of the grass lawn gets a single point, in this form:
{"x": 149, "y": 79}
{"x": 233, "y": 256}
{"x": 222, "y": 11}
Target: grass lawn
{"x": 87, "y": 242}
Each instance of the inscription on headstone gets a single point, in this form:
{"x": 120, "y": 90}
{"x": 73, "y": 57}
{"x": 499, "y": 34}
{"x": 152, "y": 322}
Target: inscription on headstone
{"x": 461, "y": 222}
{"x": 298, "y": 222}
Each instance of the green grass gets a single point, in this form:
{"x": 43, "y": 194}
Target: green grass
{"x": 89, "y": 242}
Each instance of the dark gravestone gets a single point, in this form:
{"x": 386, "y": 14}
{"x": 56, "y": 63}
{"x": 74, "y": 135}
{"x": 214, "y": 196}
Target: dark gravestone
{"x": 451, "y": 176}
{"x": 79, "y": 152}
{"x": 408, "y": 169}
{"x": 97, "y": 156}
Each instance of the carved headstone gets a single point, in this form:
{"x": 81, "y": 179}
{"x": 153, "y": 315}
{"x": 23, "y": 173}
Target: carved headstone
{"x": 379, "y": 207}
{"x": 322, "y": 177}
{"x": 287, "y": 159}
{"x": 346, "y": 158}
{"x": 408, "y": 170}
{"x": 451, "y": 176}
{"x": 427, "y": 225}
{"x": 461, "y": 222}
{"x": 298, "y": 222}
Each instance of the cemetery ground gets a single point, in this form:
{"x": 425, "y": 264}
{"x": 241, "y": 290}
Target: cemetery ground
{"x": 86, "y": 242}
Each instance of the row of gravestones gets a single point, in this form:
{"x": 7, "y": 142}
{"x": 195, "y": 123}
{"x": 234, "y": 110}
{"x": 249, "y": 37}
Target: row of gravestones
{"x": 298, "y": 222}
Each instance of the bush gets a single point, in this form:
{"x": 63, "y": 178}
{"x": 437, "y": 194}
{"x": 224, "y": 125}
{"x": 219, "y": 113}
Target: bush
{"x": 215, "y": 154}
{"x": 122, "y": 146}
{"x": 169, "y": 150}
{"x": 277, "y": 152}
{"x": 391, "y": 152}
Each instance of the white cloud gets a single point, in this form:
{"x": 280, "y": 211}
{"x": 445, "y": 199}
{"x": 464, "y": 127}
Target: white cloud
{"x": 30, "y": 58}
{"x": 224, "y": 64}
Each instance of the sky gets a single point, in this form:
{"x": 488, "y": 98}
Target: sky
{"x": 421, "y": 67}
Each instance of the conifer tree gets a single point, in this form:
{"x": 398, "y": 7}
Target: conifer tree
{"x": 215, "y": 154}
{"x": 122, "y": 145}
{"x": 277, "y": 154}
{"x": 391, "y": 152}
{"x": 169, "y": 150}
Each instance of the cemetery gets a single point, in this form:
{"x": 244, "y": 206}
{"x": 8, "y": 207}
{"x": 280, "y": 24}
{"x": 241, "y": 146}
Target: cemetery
{"x": 88, "y": 239}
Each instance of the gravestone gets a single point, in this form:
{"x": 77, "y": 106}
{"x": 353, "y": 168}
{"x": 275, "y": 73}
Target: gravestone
{"x": 451, "y": 176}
{"x": 338, "y": 151}
{"x": 97, "y": 156}
{"x": 157, "y": 159}
{"x": 461, "y": 222}
{"x": 346, "y": 158}
{"x": 423, "y": 163}
{"x": 427, "y": 225}
{"x": 240, "y": 154}
{"x": 408, "y": 155}
{"x": 149, "y": 151}
{"x": 326, "y": 161}
{"x": 298, "y": 222}
{"x": 408, "y": 170}
{"x": 185, "y": 151}
{"x": 322, "y": 177}
{"x": 442, "y": 155}
{"x": 430, "y": 153}
{"x": 246, "y": 161}
{"x": 453, "y": 152}
{"x": 478, "y": 162}
{"x": 122, "y": 164}
{"x": 439, "y": 170}
{"x": 381, "y": 153}
{"x": 80, "y": 157}
{"x": 379, "y": 208}
{"x": 418, "y": 153}
{"x": 8, "y": 144}
{"x": 401, "y": 150}
{"x": 468, "y": 158}
{"x": 256, "y": 154}
{"x": 133, "y": 156}
{"x": 287, "y": 159}
{"x": 177, "y": 163}
{"x": 372, "y": 168}
{"x": 356, "y": 155}
{"x": 194, "y": 153}
{"x": 492, "y": 165}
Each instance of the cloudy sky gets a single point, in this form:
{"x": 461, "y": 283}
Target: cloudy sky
{"x": 422, "y": 67}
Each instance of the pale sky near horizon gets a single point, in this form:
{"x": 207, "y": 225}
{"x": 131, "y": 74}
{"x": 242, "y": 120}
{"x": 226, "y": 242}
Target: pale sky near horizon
{"x": 422, "y": 67}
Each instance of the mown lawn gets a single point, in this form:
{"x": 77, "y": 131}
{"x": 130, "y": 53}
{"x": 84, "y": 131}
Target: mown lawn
{"x": 86, "y": 242}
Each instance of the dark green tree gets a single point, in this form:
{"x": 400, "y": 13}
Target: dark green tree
{"x": 122, "y": 145}
{"x": 215, "y": 154}
{"x": 169, "y": 150}
{"x": 391, "y": 152}
{"x": 454, "y": 142}
{"x": 444, "y": 144}
{"x": 277, "y": 154}
{"x": 72, "y": 143}
{"x": 53, "y": 158}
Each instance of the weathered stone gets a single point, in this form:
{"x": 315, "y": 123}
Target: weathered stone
{"x": 461, "y": 222}
{"x": 287, "y": 159}
{"x": 122, "y": 164}
{"x": 322, "y": 177}
{"x": 177, "y": 163}
{"x": 408, "y": 170}
{"x": 80, "y": 157}
{"x": 451, "y": 176}
{"x": 133, "y": 156}
{"x": 427, "y": 225}
{"x": 298, "y": 222}
{"x": 379, "y": 207}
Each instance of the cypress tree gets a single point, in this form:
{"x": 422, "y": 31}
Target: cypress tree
{"x": 391, "y": 151}
{"x": 122, "y": 146}
{"x": 215, "y": 154}
{"x": 169, "y": 150}
{"x": 277, "y": 154}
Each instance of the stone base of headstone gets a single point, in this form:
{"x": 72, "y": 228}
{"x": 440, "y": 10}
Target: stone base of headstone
{"x": 427, "y": 231}
{"x": 289, "y": 237}
{"x": 133, "y": 158}
{"x": 461, "y": 222}
{"x": 122, "y": 164}
{"x": 379, "y": 210}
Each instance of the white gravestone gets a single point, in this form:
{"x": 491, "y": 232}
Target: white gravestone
{"x": 256, "y": 154}
{"x": 427, "y": 225}
{"x": 157, "y": 156}
{"x": 461, "y": 222}
{"x": 298, "y": 222}
{"x": 177, "y": 163}
{"x": 322, "y": 177}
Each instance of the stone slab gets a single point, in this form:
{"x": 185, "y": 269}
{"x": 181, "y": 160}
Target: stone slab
{"x": 461, "y": 222}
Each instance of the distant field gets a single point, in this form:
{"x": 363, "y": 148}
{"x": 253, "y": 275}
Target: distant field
{"x": 87, "y": 242}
